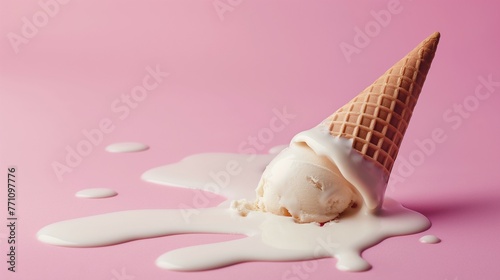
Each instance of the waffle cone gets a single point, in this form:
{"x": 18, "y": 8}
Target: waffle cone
{"x": 377, "y": 118}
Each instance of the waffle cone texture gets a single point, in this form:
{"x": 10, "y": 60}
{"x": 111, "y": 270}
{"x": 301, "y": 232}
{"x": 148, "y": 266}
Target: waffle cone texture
{"x": 377, "y": 118}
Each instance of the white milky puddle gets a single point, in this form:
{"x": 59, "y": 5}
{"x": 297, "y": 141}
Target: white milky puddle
{"x": 267, "y": 237}
{"x": 96, "y": 193}
{"x": 429, "y": 239}
{"x": 126, "y": 147}
{"x": 234, "y": 176}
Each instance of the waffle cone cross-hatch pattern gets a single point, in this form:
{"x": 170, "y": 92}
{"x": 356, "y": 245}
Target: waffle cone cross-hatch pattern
{"x": 377, "y": 118}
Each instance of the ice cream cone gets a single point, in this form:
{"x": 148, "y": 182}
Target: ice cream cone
{"x": 347, "y": 159}
{"x": 377, "y": 118}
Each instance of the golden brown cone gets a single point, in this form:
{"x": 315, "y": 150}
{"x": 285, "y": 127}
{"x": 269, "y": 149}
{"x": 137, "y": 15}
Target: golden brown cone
{"x": 377, "y": 118}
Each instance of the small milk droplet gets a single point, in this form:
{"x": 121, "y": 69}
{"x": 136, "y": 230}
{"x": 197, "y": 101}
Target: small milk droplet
{"x": 126, "y": 147}
{"x": 96, "y": 193}
{"x": 429, "y": 239}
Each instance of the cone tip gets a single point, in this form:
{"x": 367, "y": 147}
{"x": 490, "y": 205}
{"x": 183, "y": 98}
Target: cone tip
{"x": 429, "y": 44}
{"x": 434, "y": 37}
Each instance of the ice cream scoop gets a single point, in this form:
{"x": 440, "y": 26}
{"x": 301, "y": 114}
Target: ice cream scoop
{"x": 349, "y": 156}
{"x": 305, "y": 186}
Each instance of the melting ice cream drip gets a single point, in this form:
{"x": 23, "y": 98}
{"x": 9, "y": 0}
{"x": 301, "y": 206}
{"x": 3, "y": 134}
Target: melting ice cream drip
{"x": 96, "y": 193}
{"x": 429, "y": 239}
{"x": 269, "y": 237}
{"x": 126, "y": 147}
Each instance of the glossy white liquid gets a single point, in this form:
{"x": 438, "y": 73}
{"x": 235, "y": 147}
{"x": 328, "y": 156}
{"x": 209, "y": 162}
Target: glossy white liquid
{"x": 96, "y": 193}
{"x": 429, "y": 239}
{"x": 268, "y": 237}
{"x": 126, "y": 147}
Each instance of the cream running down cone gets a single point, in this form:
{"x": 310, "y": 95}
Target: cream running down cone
{"x": 346, "y": 160}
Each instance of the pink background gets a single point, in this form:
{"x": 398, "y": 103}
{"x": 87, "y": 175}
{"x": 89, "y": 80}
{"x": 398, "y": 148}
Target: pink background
{"x": 227, "y": 74}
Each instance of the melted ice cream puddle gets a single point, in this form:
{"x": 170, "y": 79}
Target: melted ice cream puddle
{"x": 429, "y": 239}
{"x": 269, "y": 237}
{"x": 96, "y": 193}
{"x": 126, "y": 147}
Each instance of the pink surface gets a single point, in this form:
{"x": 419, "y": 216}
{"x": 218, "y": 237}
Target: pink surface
{"x": 227, "y": 75}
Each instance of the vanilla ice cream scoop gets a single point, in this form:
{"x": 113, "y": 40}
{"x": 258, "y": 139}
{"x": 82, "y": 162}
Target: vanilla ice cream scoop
{"x": 317, "y": 178}
{"x": 305, "y": 186}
